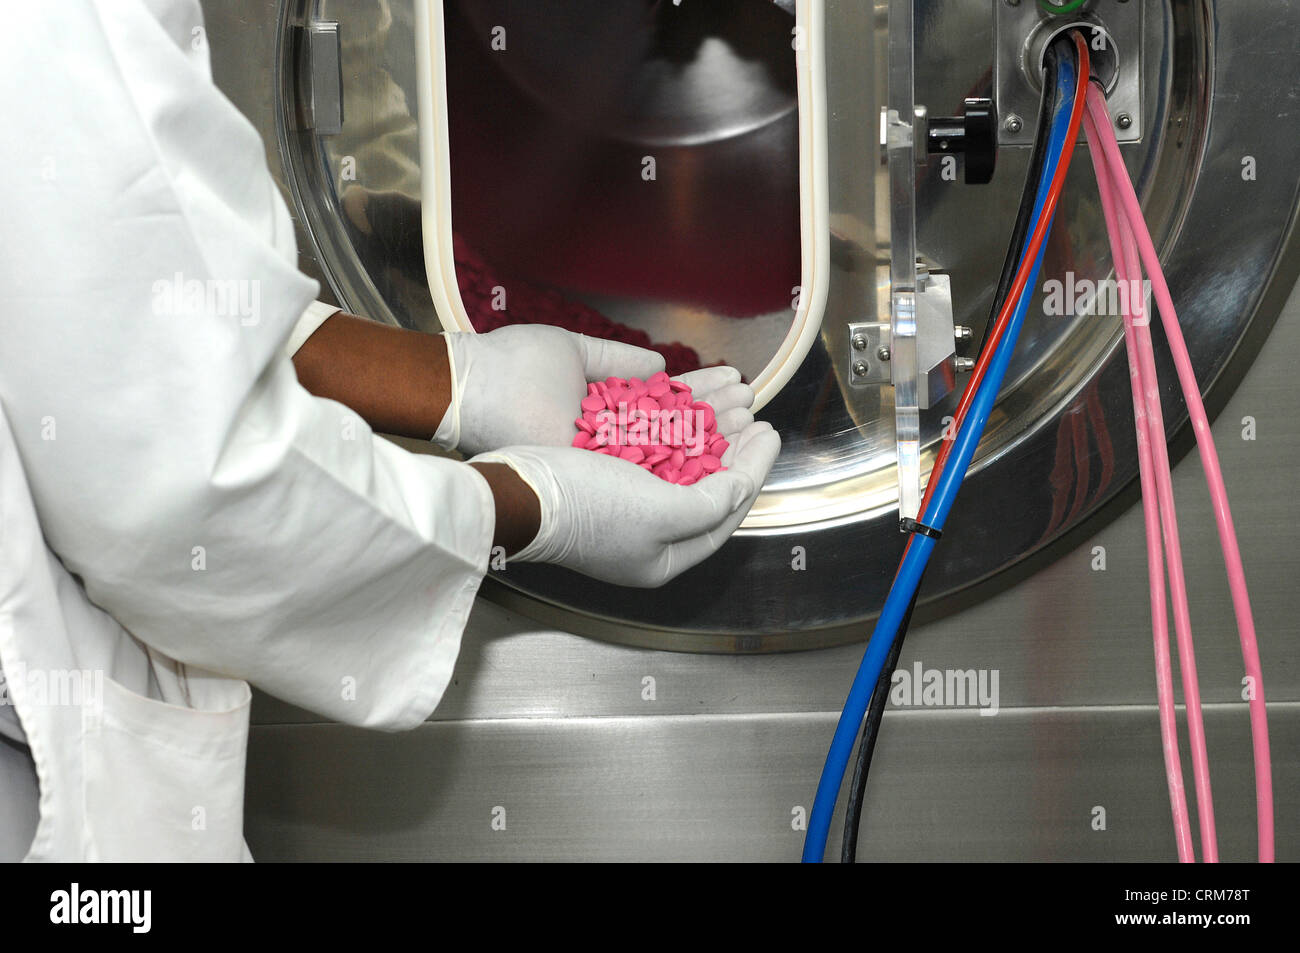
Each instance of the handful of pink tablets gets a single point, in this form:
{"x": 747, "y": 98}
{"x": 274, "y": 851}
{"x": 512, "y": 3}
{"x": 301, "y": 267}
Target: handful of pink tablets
{"x": 655, "y": 424}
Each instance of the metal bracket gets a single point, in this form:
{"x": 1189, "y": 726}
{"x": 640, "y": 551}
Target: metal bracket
{"x": 1021, "y": 32}
{"x": 869, "y": 351}
{"x": 936, "y": 341}
{"x": 323, "y": 78}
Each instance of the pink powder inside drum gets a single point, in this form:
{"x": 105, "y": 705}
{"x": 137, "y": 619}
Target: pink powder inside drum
{"x": 655, "y": 424}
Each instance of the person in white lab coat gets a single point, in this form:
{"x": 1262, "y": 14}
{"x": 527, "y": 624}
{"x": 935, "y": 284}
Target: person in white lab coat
{"x": 184, "y": 509}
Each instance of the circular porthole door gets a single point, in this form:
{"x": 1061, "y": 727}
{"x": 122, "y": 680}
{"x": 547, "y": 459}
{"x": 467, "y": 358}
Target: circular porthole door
{"x": 547, "y": 196}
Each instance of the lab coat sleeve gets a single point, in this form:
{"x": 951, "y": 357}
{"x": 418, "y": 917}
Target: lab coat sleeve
{"x": 222, "y": 514}
{"x": 317, "y": 313}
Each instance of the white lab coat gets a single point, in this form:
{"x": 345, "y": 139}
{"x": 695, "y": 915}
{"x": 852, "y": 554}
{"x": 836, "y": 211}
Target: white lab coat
{"x": 178, "y": 516}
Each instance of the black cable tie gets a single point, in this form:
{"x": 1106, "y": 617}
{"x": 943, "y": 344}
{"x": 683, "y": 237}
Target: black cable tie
{"x": 909, "y": 525}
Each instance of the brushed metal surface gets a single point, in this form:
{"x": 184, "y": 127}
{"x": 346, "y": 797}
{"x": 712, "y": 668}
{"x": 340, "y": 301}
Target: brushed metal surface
{"x": 1024, "y": 32}
{"x": 1024, "y": 785}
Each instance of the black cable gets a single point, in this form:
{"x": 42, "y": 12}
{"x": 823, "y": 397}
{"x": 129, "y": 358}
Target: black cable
{"x": 1028, "y": 195}
{"x": 867, "y": 744}
{"x": 1016, "y": 250}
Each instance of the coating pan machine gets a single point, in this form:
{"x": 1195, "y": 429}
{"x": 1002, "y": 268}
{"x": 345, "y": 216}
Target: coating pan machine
{"x": 691, "y": 176}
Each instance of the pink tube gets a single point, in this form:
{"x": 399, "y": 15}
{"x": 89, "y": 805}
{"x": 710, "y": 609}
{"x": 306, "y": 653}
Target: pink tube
{"x": 1132, "y": 210}
{"x": 1151, "y": 518}
{"x": 1174, "y": 561}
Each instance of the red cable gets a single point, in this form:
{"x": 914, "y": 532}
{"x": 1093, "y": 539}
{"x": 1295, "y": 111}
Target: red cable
{"x": 1026, "y": 265}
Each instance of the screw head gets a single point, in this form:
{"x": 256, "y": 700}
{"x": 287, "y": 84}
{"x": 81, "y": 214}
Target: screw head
{"x": 882, "y": 353}
{"x": 964, "y": 364}
{"x": 1013, "y": 123}
{"x": 860, "y": 368}
{"x": 859, "y": 342}
{"x": 961, "y": 332}
{"x": 1123, "y": 120}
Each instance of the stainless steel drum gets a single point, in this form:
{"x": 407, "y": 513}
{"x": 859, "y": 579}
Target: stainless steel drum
{"x": 585, "y": 87}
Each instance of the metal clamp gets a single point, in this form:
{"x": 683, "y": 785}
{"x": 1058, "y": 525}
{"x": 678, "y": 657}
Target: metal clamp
{"x": 322, "y": 77}
{"x": 936, "y": 343}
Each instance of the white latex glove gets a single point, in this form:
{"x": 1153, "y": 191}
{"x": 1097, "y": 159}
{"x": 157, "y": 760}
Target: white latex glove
{"x": 611, "y": 520}
{"x": 522, "y": 384}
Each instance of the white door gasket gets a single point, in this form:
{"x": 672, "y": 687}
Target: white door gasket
{"x": 807, "y": 39}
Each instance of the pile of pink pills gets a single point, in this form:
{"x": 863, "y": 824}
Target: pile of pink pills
{"x": 655, "y": 424}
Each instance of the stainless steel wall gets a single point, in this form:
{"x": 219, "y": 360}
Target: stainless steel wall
{"x": 555, "y": 729}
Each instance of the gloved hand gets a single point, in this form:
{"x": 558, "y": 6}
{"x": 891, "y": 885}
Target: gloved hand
{"x": 522, "y": 384}
{"x": 611, "y": 520}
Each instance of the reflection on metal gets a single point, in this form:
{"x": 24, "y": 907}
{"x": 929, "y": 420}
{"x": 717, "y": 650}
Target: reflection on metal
{"x": 1022, "y": 32}
{"x": 901, "y": 153}
{"x": 920, "y": 348}
{"x": 834, "y": 490}
{"x": 946, "y": 785}
{"x": 936, "y": 339}
{"x": 635, "y": 195}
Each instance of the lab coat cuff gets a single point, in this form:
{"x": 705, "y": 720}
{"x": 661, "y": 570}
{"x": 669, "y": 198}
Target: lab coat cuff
{"x": 542, "y": 548}
{"x": 317, "y": 313}
{"x": 447, "y": 435}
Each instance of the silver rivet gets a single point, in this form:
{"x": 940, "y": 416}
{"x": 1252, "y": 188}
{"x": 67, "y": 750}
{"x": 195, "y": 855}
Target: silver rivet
{"x": 1013, "y": 123}
{"x": 882, "y": 353}
{"x": 859, "y": 342}
{"x": 860, "y": 368}
{"x": 965, "y": 364}
{"x": 961, "y": 332}
{"x": 1123, "y": 120}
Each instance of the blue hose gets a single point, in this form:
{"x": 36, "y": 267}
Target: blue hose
{"x": 909, "y": 574}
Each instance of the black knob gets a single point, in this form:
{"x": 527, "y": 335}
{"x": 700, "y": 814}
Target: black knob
{"x": 973, "y": 134}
